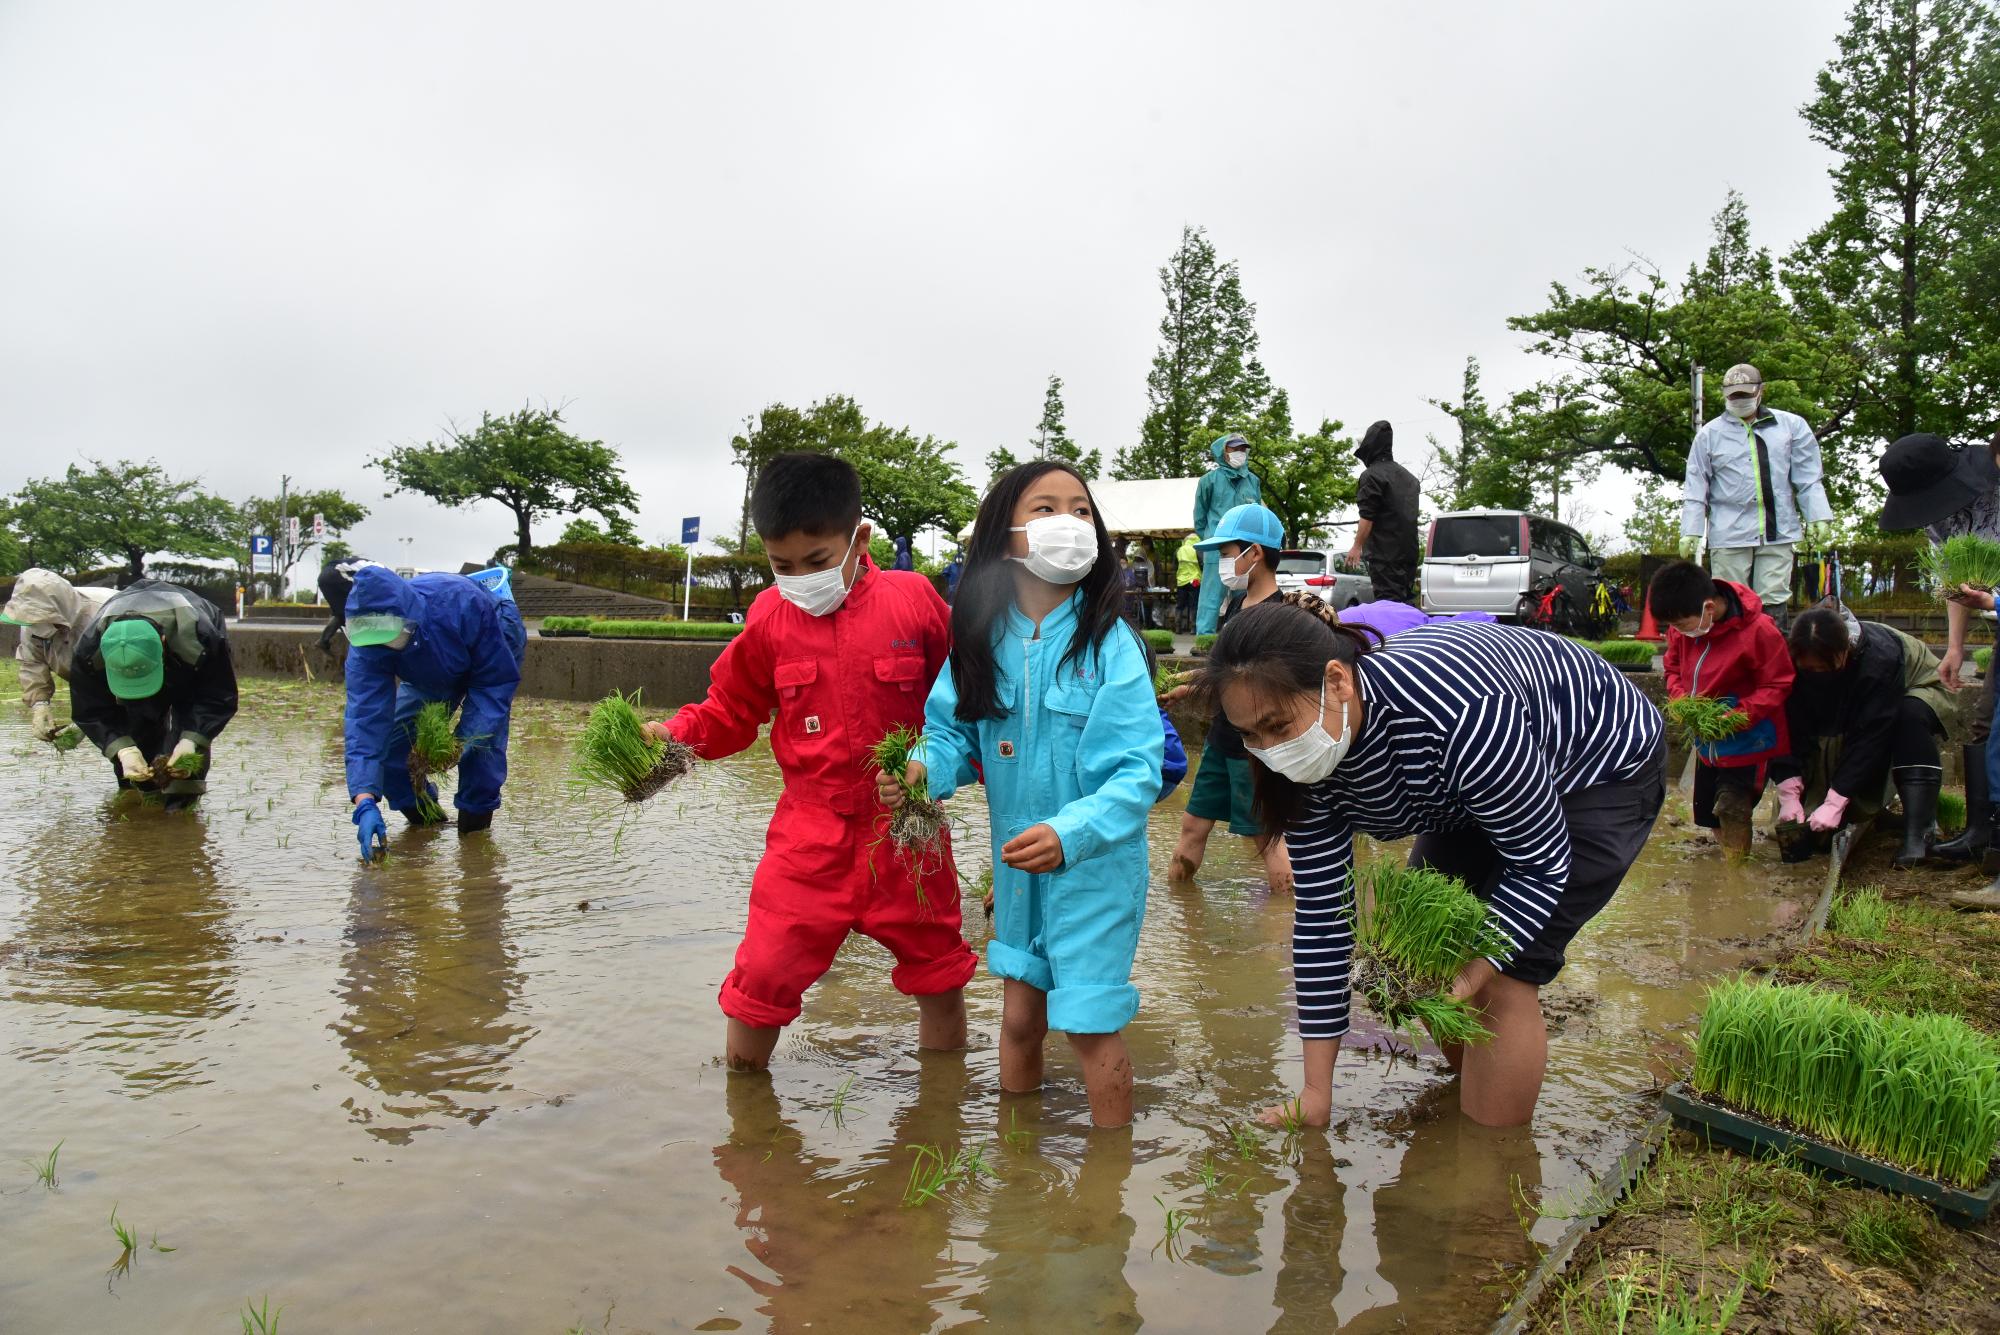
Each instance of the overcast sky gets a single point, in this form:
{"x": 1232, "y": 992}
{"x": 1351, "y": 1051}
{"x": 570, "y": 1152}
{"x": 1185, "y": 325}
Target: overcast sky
{"x": 248, "y": 239}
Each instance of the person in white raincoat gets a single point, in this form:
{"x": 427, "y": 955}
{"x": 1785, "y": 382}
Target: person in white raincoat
{"x": 52, "y": 614}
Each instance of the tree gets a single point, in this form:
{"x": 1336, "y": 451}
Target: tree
{"x": 830, "y": 425}
{"x": 1305, "y": 476}
{"x": 1051, "y": 441}
{"x": 124, "y": 511}
{"x": 618, "y": 531}
{"x": 1206, "y": 372}
{"x": 525, "y": 460}
{"x": 909, "y": 483}
{"x": 263, "y": 514}
{"x": 1655, "y": 523}
{"x": 1910, "y": 107}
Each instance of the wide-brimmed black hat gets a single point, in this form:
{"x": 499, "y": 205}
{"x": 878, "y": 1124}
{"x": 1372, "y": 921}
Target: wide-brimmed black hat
{"x": 1930, "y": 478}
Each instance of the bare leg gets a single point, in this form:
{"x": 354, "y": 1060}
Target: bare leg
{"x": 941, "y": 1021}
{"x": 1107, "y": 1074}
{"x": 1024, "y": 1024}
{"x": 1191, "y": 848}
{"x": 750, "y": 1047}
{"x": 1503, "y": 1077}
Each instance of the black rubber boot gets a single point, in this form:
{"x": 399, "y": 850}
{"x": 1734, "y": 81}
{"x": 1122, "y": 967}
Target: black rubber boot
{"x": 1978, "y": 832}
{"x": 1917, "y": 787}
{"x": 472, "y": 822}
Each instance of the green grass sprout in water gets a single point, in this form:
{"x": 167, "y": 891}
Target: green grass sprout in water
{"x": 917, "y": 827}
{"x": 1919, "y": 1091}
{"x": 1414, "y": 929}
{"x": 1965, "y": 559}
{"x": 1703, "y": 718}
{"x": 616, "y": 751}
{"x": 260, "y": 1320}
{"x": 45, "y": 1169}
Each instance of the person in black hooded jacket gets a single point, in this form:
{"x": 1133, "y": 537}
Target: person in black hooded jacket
{"x": 1386, "y": 535}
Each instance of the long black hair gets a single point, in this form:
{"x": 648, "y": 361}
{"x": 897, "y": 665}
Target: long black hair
{"x": 986, "y": 591}
{"x": 1280, "y": 648}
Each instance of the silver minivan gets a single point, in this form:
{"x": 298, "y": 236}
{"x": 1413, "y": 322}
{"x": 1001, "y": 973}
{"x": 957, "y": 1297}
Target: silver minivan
{"x": 1497, "y": 560}
{"x": 1319, "y": 573}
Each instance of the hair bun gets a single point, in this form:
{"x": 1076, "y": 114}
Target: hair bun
{"x": 1313, "y": 603}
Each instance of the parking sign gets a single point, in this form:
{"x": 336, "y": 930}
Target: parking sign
{"x": 260, "y": 545}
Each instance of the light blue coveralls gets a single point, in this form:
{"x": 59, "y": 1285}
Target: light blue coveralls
{"x": 466, "y": 646}
{"x": 1078, "y": 750}
{"x": 1221, "y": 490}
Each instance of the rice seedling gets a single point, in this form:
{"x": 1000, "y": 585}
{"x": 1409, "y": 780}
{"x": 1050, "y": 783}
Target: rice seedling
{"x": 664, "y": 630}
{"x": 260, "y": 1320}
{"x": 1983, "y": 657}
{"x": 1248, "y": 1143}
{"x": 1859, "y": 913}
{"x": 916, "y": 827}
{"x": 1703, "y": 718}
{"x": 566, "y": 625}
{"x": 1017, "y": 1135}
{"x": 1950, "y": 813}
{"x": 1635, "y": 653}
{"x": 1203, "y": 643}
{"x": 45, "y": 1169}
{"x": 1159, "y": 641}
{"x": 933, "y": 1172}
{"x": 434, "y": 749}
{"x": 1919, "y": 1091}
{"x": 68, "y": 739}
{"x": 616, "y": 751}
{"x": 1965, "y": 559}
{"x": 1414, "y": 929}
{"x": 155, "y": 1244}
{"x": 126, "y": 1237}
{"x": 187, "y": 767}
{"x": 837, "y": 1111}
{"x": 1166, "y": 678}
{"x": 1174, "y": 1222}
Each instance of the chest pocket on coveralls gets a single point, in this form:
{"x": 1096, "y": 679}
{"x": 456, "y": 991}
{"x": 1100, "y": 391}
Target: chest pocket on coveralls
{"x": 797, "y": 701}
{"x": 900, "y": 676}
{"x": 1069, "y": 709}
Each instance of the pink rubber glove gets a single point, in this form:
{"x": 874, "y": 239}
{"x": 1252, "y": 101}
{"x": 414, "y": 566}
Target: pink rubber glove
{"x": 1829, "y": 813}
{"x": 1791, "y": 801}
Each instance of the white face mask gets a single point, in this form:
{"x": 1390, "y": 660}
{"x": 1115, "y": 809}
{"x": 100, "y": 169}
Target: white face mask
{"x": 822, "y": 592}
{"x": 1707, "y": 625}
{"x": 1235, "y": 458}
{"x": 1745, "y": 408}
{"x": 1061, "y": 548}
{"x": 1314, "y": 753}
{"x": 1234, "y": 582}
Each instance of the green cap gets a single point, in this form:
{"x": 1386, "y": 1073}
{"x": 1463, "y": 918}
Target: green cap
{"x": 134, "y": 660}
{"x": 369, "y": 628}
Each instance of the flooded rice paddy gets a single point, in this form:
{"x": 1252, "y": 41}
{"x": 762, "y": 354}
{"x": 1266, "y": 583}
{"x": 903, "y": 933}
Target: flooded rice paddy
{"x": 477, "y": 1088}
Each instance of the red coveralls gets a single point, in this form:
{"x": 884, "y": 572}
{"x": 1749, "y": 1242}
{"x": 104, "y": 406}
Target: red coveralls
{"x": 838, "y": 682}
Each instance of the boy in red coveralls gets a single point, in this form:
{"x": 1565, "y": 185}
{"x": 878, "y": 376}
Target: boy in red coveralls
{"x": 844, "y": 653}
{"x": 1721, "y": 643}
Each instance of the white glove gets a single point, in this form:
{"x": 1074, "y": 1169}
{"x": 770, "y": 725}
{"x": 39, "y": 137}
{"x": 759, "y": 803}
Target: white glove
{"x": 182, "y": 750}
{"x": 42, "y": 722}
{"x": 133, "y": 766}
{"x": 1690, "y": 546}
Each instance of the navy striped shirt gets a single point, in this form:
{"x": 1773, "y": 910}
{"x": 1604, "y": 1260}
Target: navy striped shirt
{"x": 1468, "y": 725}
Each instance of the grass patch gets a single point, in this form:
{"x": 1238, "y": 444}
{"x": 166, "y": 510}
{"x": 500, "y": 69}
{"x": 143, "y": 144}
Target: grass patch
{"x": 1631, "y": 653}
{"x": 1703, "y": 718}
{"x": 1890, "y": 1231}
{"x": 616, "y": 751}
{"x": 566, "y": 625}
{"x": 1414, "y": 929}
{"x": 917, "y": 826}
{"x": 1859, "y": 913}
{"x": 1965, "y": 559}
{"x": 1160, "y": 641}
{"x": 1918, "y": 1091}
{"x": 1927, "y": 959}
{"x": 664, "y": 630}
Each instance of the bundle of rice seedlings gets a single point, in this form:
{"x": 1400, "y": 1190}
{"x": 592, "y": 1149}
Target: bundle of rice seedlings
{"x": 1636, "y": 653}
{"x": 616, "y": 751}
{"x": 917, "y": 827}
{"x": 1703, "y": 718}
{"x": 1965, "y": 559}
{"x": 187, "y": 767}
{"x": 1166, "y": 678}
{"x": 1950, "y": 813}
{"x": 1161, "y": 641}
{"x": 1414, "y": 929}
{"x": 434, "y": 749}
{"x": 68, "y": 739}
{"x": 1921, "y": 1092}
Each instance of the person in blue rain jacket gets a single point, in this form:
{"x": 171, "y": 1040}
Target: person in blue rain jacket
{"x": 1049, "y": 699}
{"x": 455, "y": 638}
{"x": 1221, "y": 489}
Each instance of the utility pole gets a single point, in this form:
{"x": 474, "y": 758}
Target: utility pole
{"x": 282, "y": 540}
{"x": 1697, "y": 399}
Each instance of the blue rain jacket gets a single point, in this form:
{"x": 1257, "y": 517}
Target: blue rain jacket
{"x": 1079, "y": 750}
{"x": 1220, "y": 490}
{"x": 465, "y": 648}
{"x": 1753, "y": 488}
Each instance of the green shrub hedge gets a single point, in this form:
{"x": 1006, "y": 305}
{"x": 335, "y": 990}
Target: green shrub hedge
{"x": 664, "y": 630}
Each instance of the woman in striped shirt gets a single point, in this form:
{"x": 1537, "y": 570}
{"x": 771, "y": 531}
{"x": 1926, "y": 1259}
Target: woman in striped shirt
{"x": 1527, "y": 766}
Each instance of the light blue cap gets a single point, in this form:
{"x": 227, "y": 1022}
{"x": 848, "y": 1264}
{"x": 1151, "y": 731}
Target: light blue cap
{"x": 1247, "y": 523}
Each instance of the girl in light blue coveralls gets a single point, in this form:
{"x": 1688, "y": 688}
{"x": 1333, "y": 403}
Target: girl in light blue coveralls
{"x": 1050, "y": 697}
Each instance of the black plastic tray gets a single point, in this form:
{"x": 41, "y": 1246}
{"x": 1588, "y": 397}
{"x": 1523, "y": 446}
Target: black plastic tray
{"x": 1954, "y": 1205}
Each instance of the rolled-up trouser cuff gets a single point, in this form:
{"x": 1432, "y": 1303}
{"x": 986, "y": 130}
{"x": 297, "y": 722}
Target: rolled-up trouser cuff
{"x": 936, "y": 976}
{"x": 740, "y": 1005}
{"x": 1005, "y": 961}
{"x": 1102, "y": 1008}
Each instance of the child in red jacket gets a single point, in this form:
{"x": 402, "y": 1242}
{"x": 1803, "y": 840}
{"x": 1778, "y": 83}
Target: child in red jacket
{"x": 1721, "y": 643}
{"x": 844, "y": 653}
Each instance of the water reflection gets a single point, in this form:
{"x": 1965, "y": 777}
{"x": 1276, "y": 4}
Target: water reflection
{"x": 129, "y": 919}
{"x": 429, "y": 981}
{"x": 1310, "y": 1274}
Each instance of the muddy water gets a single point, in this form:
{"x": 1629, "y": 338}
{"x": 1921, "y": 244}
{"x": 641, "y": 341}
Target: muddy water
{"x": 443, "y": 1095}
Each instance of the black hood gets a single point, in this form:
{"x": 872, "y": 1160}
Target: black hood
{"x": 1376, "y": 443}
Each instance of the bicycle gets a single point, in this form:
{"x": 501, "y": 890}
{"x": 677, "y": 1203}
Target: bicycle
{"x": 1545, "y": 607}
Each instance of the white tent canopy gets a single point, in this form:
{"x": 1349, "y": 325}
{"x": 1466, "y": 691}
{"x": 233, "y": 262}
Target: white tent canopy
{"x": 1142, "y": 507}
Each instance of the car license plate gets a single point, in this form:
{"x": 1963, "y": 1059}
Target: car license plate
{"x": 1474, "y": 574}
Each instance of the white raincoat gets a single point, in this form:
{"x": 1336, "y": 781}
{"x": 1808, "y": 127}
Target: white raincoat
{"x": 53, "y": 614}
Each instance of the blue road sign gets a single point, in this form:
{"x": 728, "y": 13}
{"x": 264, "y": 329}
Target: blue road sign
{"x": 690, "y": 530}
{"x": 260, "y": 545}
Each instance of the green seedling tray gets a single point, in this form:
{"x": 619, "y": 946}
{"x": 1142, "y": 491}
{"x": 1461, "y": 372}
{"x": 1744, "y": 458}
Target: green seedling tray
{"x": 563, "y": 634}
{"x": 1955, "y": 1205}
